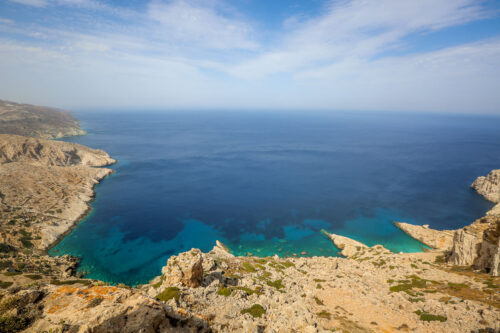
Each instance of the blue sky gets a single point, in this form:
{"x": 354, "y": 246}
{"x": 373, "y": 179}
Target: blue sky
{"x": 400, "y": 55}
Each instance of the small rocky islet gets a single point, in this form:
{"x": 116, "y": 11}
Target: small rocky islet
{"x": 46, "y": 187}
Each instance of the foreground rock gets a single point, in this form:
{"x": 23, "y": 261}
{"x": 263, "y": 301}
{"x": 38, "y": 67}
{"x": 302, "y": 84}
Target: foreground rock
{"x": 372, "y": 291}
{"x": 36, "y": 121}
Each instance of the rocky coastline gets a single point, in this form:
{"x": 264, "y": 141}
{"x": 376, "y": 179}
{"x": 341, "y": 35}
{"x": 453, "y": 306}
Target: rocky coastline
{"x": 46, "y": 187}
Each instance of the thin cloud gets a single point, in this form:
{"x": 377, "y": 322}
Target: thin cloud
{"x": 34, "y": 3}
{"x": 204, "y": 54}
{"x": 357, "y": 29}
{"x": 188, "y": 22}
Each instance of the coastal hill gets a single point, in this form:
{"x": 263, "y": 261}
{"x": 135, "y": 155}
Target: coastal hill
{"x": 45, "y": 189}
{"x": 36, "y": 121}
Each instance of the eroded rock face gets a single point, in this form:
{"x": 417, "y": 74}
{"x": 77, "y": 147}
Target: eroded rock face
{"x": 465, "y": 249}
{"x": 489, "y": 186}
{"x": 185, "y": 269}
{"x": 478, "y": 244}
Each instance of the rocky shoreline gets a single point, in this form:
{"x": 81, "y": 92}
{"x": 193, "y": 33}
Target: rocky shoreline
{"x": 476, "y": 245}
{"x": 47, "y": 186}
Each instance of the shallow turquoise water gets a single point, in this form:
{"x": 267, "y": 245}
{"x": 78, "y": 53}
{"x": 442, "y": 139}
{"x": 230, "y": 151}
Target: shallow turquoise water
{"x": 267, "y": 183}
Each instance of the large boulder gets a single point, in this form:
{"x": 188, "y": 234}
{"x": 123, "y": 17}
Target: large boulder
{"x": 185, "y": 269}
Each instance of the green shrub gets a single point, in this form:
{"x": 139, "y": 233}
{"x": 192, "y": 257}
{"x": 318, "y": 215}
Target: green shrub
{"x": 169, "y": 293}
{"x": 276, "y": 284}
{"x": 430, "y": 317}
{"x": 33, "y": 276}
{"x": 67, "y": 282}
{"x": 255, "y": 311}
{"x": 95, "y": 302}
{"x": 5, "y": 284}
{"x": 224, "y": 291}
{"x": 11, "y": 324}
{"x": 248, "y": 267}
{"x": 318, "y": 301}
{"x": 324, "y": 314}
{"x": 26, "y": 242}
{"x": 6, "y": 248}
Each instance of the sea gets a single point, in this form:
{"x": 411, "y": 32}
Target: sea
{"x": 267, "y": 183}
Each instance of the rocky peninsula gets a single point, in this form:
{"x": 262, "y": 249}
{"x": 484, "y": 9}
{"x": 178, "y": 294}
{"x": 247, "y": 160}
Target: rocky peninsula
{"x": 46, "y": 187}
{"x": 37, "y": 121}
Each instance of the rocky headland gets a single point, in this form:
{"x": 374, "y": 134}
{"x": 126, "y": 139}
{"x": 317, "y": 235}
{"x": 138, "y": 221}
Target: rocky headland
{"x": 46, "y": 187}
{"x": 37, "y": 121}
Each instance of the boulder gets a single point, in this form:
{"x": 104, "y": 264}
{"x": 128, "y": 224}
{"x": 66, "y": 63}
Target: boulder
{"x": 185, "y": 269}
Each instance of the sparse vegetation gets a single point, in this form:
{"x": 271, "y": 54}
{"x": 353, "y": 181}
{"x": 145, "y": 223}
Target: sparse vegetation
{"x": 95, "y": 302}
{"x": 5, "y": 284}
{"x": 169, "y": 293}
{"x": 224, "y": 291}
{"x": 430, "y": 317}
{"x": 255, "y": 311}
{"x": 248, "y": 267}
{"x": 69, "y": 282}
{"x": 324, "y": 314}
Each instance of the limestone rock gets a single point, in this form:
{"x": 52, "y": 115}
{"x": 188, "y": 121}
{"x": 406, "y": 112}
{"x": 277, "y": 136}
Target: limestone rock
{"x": 495, "y": 263}
{"x": 105, "y": 309}
{"x": 221, "y": 251}
{"x": 477, "y": 245}
{"x": 184, "y": 269}
{"x": 436, "y": 239}
{"x": 348, "y": 246}
{"x": 465, "y": 249}
{"x": 15, "y": 148}
{"x": 489, "y": 186}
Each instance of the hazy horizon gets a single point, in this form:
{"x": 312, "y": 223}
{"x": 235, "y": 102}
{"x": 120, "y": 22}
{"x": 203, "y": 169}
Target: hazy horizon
{"x": 439, "y": 56}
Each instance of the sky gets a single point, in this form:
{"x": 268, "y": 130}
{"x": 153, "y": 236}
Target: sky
{"x": 389, "y": 55}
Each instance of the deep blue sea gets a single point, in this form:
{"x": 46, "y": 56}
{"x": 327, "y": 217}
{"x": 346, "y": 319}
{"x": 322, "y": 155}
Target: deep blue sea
{"x": 267, "y": 182}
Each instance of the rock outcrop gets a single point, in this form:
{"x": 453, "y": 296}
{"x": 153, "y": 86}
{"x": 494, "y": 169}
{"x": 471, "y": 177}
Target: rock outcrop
{"x": 489, "y": 186}
{"x": 477, "y": 245}
{"x": 185, "y": 269}
{"x": 348, "y": 246}
{"x": 15, "y": 148}
{"x": 373, "y": 290}
{"x": 436, "y": 239}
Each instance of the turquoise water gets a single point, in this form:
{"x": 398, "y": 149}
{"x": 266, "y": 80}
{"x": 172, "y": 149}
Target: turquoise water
{"x": 267, "y": 183}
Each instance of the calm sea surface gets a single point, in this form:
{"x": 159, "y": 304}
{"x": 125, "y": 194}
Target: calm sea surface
{"x": 267, "y": 183}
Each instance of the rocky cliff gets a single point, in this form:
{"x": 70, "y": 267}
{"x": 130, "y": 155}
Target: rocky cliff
{"x": 36, "y": 121}
{"x": 45, "y": 187}
{"x": 476, "y": 245}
